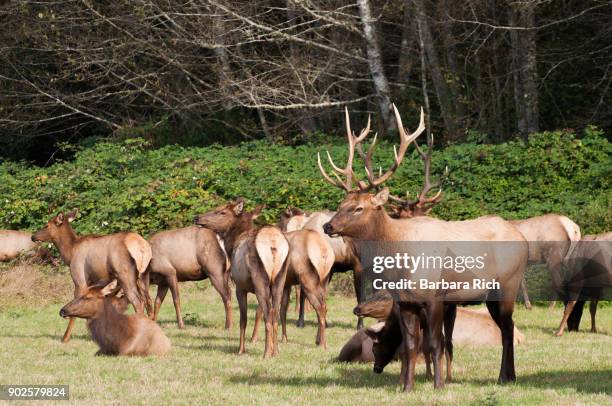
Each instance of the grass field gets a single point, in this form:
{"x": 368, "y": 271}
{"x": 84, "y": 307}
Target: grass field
{"x": 203, "y": 367}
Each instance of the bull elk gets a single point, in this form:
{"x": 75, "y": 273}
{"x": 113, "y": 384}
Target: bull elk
{"x": 114, "y": 332}
{"x": 310, "y": 262}
{"x": 188, "y": 254}
{"x": 258, "y": 258}
{"x": 98, "y": 259}
{"x": 362, "y": 216}
{"x": 345, "y": 253}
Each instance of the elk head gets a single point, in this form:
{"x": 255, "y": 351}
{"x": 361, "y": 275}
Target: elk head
{"x": 363, "y": 203}
{"x": 225, "y": 217}
{"x": 54, "y": 227}
{"x": 90, "y": 304}
{"x": 386, "y": 338}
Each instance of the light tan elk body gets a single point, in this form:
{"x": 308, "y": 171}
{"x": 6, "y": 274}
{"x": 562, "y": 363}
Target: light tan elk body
{"x": 310, "y": 262}
{"x": 188, "y": 254}
{"x": 93, "y": 260}
{"x": 346, "y": 257}
{"x": 13, "y": 243}
{"x": 550, "y": 237}
{"x": 258, "y": 258}
{"x": 361, "y": 216}
{"x": 114, "y": 332}
{"x": 589, "y": 270}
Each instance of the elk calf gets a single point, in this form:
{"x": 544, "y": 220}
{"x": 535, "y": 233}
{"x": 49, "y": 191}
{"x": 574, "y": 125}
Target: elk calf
{"x": 188, "y": 254}
{"x": 114, "y": 332}
{"x": 93, "y": 259}
{"x": 258, "y": 257}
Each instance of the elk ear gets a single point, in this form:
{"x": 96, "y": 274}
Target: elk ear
{"x": 59, "y": 219}
{"x": 380, "y": 198}
{"x": 257, "y": 211}
{"x": 108, "y": 289}
{"x": 71, "y": 216}
{"x": 238, "y": 207}
{"x": 375, "y": 331}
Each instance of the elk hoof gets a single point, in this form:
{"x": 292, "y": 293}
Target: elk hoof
{"x": 559, "y": 333}
{"x": 300, "y": 323}
{"x": 181, "y": 326}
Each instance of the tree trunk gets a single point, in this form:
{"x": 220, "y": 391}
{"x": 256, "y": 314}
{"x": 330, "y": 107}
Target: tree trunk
{"x": 381, "y": 84}
{"x": 406, "y": 61}
{"x": 442, "y": 91}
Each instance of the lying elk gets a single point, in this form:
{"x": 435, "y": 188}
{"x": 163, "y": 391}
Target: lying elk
{"x": 361, "y": 216}
{"x": 188, "y": 254}
{"x": 93, "y": 259}
{"x": 258, "y": 257}
{"x": 550, "y": 238}
{"x": 589, "y": 273}
{"x": 14, "y": 243}
{"x": 310, "y": 261}
{"x": 346, "y": 257}
{"x": 114, "y": 332}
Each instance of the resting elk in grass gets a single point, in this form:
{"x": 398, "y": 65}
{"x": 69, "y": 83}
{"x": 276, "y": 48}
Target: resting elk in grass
{"x": 362, "y": 216}
{"x": 114, "y": 332}
{"x": 98, "y": 259}
{"x": 13, "y": 243}
{"x": 346, "y": 257}
{"x": 188, "y": 254}
{"x": 258, "y": 258}
{"x": 310, "y": 261}
{"x": 588, "y": 274}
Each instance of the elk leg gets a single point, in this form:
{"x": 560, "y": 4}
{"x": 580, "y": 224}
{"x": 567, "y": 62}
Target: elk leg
{"x": 278, "y": 287}
{"x": 241, "y": 298}
{"x": 147, "y": 297}
{"x": 221, "y": 285}
{"x": 127, "y": 281}
{"x": 68, "y": 331}
{"x": 450, "y": 314}
{"x": 297, "y": 299}
{"x": 162, "y": 289}
{"x": 358, "y": 291}
{"x": 410, "y": 326}
{"x": 263, "y": 293}
{"x": 566, "y": 313}
{"x": 525, "y": 294}
{"x": 302, "y": 299}
{"x": 593, "y": 311}
{"x": 258, "y": 316}
{"x": 173, "y": 284}
{"x": 501, "y": 312}
{"x": 316, "y": 297}
{"x": 434, "y": 339}
{"x": 283, "y": 311}
{"x": 427, "y": 356}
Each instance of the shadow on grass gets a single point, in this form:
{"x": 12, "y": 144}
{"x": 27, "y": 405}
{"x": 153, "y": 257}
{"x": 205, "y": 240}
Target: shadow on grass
{"x": 57, "y": 337}
{"x": 597, "y": 381}
{"x": 224, "y": 348}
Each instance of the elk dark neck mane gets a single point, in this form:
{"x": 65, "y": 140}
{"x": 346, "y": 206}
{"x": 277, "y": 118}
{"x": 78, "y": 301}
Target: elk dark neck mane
{"x": 242, "y": 225}
{"x": 109, "y": 328}
{"x": 66, "y": 242}
{"x": 379, "y": 227}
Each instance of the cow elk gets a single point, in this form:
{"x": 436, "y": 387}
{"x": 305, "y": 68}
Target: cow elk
{"x": 14, "y": 243}
{"x": 188, "y": 254}
{"x": 114, "y": 332}
{"x": 361, "y": 216}
{"x": 258, "y": 258}
{"x": 98, "y": 259}
{"x": 589, "y": 273}
{"x": 310, "y": 261}
{"x": 346, "y": 257}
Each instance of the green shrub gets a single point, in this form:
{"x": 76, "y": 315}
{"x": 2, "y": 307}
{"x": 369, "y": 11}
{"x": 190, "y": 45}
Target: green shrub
{"x": 130, "y": 186}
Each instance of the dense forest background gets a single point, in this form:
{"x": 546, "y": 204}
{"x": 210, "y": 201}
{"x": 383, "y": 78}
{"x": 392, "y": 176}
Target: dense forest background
{"x": 216, "y": 71}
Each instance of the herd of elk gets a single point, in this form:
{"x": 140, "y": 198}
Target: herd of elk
{"x": 259, "y": 260}
{"x": 361, "y": 216}
{"x": 114, "y": 332}
{"x": 93, "y": 260}
{"x": 188, "y": 254}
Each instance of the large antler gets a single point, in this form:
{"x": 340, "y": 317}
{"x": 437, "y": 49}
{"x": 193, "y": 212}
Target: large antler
{"x": 405, "y": 139}
{"x": 347, "y": 172}
{"x": 422, "y": 201}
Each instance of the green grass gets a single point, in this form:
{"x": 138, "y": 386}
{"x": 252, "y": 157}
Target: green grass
{"x": 203, "y": 366}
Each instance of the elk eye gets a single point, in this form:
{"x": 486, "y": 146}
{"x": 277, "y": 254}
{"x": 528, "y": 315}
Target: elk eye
{"x": 358, "y": 210}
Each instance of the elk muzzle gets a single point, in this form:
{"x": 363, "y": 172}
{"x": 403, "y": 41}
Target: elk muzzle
{"x": 328, "y": 229}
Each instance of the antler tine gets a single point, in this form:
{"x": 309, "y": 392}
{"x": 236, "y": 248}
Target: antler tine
{"x": 338, "y": 183}
{"x": 427, "y": 184}
{"x": 405, "y": 140}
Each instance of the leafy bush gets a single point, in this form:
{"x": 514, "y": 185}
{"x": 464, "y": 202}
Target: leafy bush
{"x": 129, "y": 186}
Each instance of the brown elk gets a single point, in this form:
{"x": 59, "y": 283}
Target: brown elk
{"x": 13, "y": 243}
{"x": 310, "y": 262}
{"x": 361, "y": 216}
{"x": 258, "y": 258}
{"x": 550, "y": 237}
{"x": 345, "y": 253}
{"x": 589, "y": 272}
{"x": 188, "y": 254}
{"x": 98, "y": 259}
{"x": 114, "y": 332}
